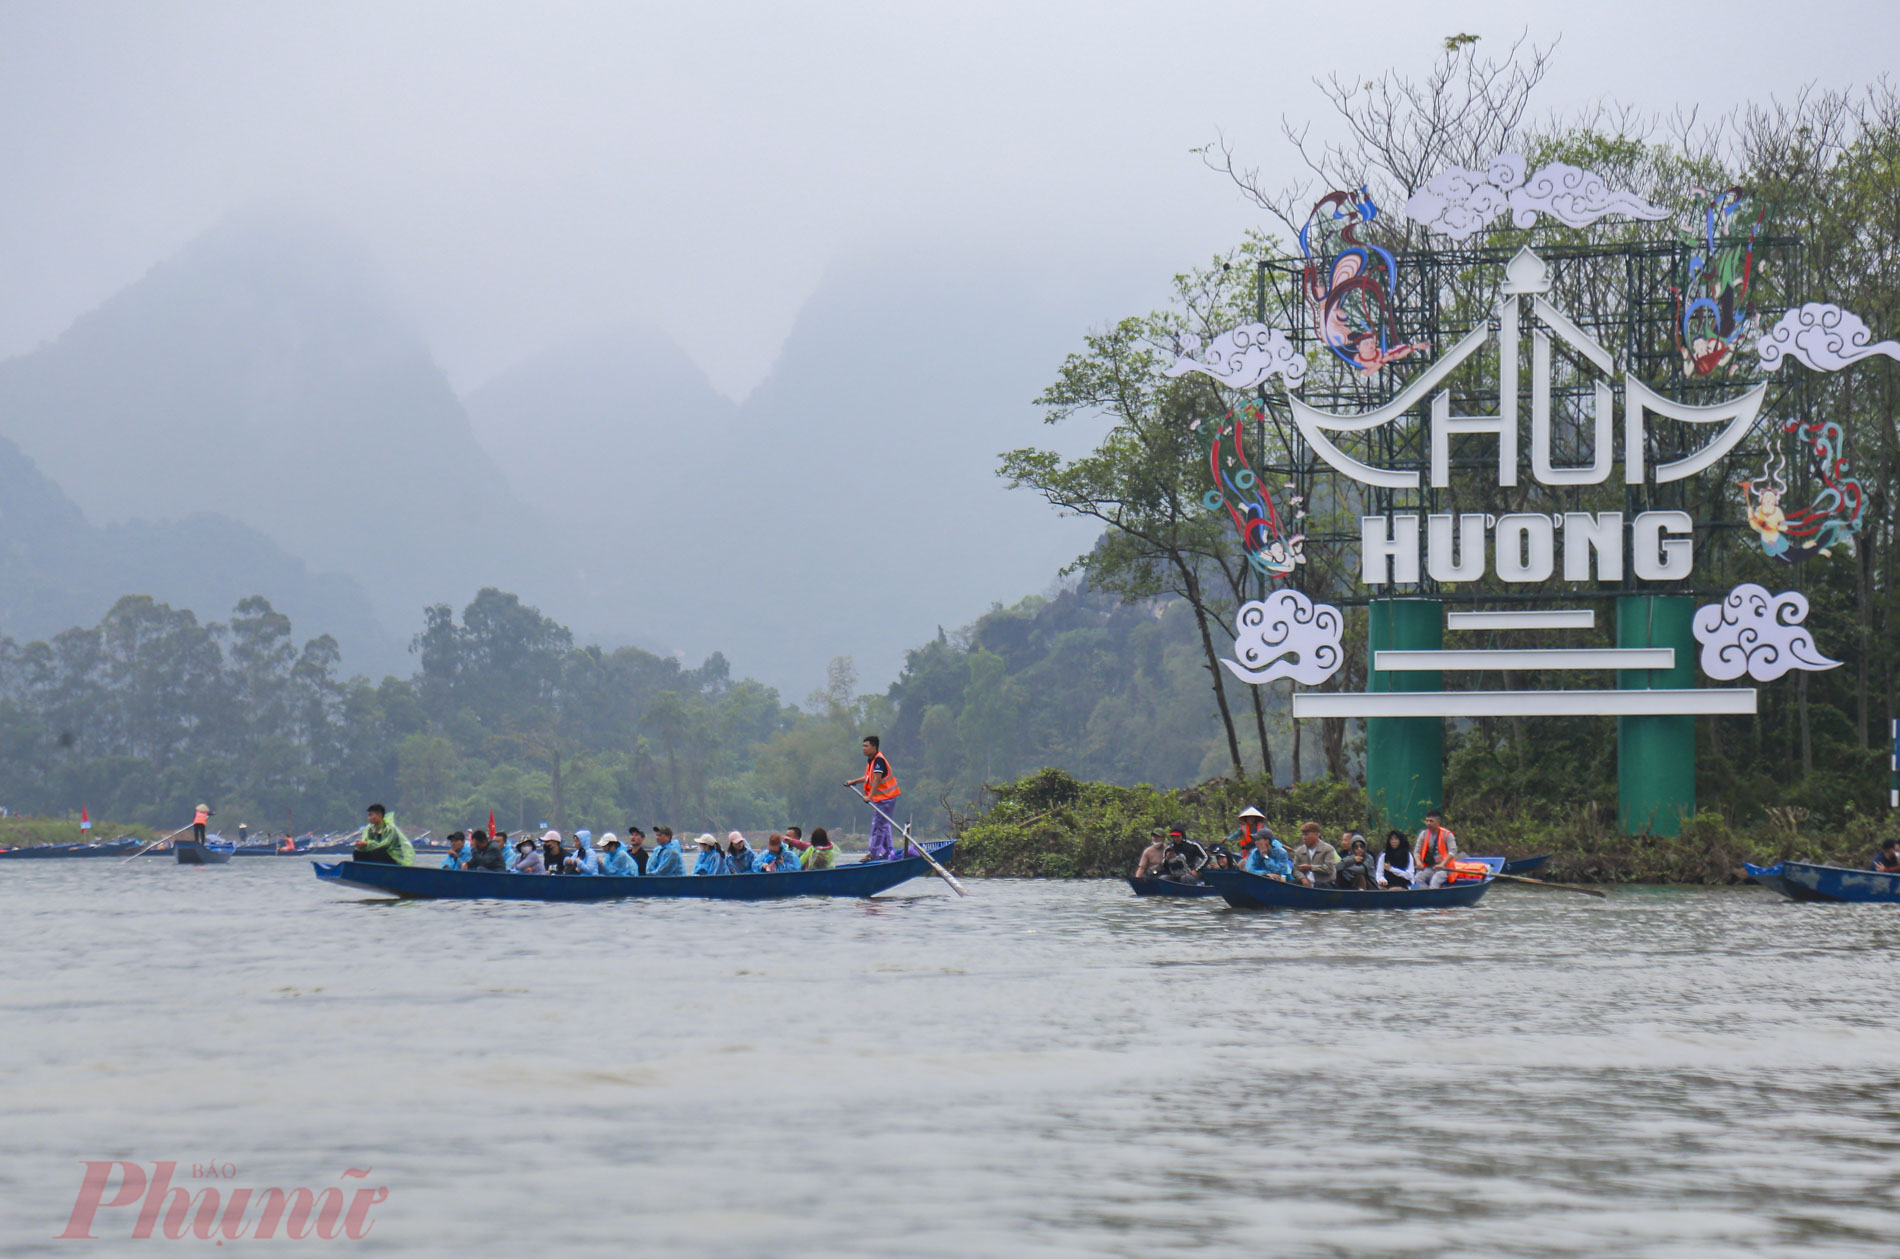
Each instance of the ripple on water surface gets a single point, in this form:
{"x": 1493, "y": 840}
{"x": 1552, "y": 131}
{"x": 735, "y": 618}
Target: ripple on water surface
{"x": 1041, "y": 1069}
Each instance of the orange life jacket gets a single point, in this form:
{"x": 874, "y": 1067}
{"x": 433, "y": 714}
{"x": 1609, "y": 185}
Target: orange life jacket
{"x": 1434, "y": 839}
{"x": 199, "y": 818}
{"x": 889, "y": 790}
{"x": 1469, "y": 871}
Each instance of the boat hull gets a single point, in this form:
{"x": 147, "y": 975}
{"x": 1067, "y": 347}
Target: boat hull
{"x": 1524, "y": 865}
{"x": 1835, "y": 885}
{"x": 192, "y": 853}
{"x": 1167, "y": 887}
{"x": 1256, "y": 891}
{"x": 45, "y": 852}
{"x": 856, "y": 880}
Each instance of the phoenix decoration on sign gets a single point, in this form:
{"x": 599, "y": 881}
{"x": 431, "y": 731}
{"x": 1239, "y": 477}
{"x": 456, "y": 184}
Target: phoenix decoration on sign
{"x": 1832, "y": 519}
{"x": 1349, "y": 283}
{"x": 1271, "y": 548}
{"x": 1713, "y": 315}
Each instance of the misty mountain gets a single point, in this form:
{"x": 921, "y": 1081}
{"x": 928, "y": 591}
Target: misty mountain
{"x": 58, "y": 570}
{"x": 263, "y": 374}
{"x": 848, "y": 507}
{"x": 607, "y": 437}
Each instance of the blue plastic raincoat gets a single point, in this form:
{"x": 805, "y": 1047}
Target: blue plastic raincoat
{"x": 666, "y": 859}
{"x": 1275, "y": 861}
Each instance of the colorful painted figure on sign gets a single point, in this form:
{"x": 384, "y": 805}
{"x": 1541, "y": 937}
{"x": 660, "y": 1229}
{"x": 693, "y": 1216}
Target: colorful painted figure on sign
{"x": 1713, "y": 315}
{"x": 1348, "y": 283}
{"x": 1238, "y": 491}
{"x": 1832, "y": 520}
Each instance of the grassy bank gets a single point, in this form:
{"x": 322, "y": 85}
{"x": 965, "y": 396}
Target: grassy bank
{"x": 1051, "y": 825}
{"x": 25, "y": 832}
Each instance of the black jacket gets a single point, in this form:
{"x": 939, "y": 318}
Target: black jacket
{"x": 488, "y": 858}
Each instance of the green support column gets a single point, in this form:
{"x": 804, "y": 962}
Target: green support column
{"x": 1405, "y": 756}
{"x": 1655, "y": 756}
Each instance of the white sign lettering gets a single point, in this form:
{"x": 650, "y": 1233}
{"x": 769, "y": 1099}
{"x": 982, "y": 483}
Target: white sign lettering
{"x": 1527, "y": 279}
{"x": 1523, "y": 547}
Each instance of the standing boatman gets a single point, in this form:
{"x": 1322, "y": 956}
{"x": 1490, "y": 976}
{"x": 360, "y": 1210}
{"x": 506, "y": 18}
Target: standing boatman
{"x": 879, "y": 789}
{"x": 1253, "y": 824}
{"x": 198, "y": 819}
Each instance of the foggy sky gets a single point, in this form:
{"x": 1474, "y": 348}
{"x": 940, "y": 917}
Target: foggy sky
{"x": 527, "y": 173}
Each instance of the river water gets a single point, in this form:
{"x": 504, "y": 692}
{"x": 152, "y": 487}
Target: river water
{"x": 1043, "y": 1069}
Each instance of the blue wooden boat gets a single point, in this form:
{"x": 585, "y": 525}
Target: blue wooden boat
{"x": 1524, "y": 865}
{"x": 1152, "y": 886}
{"x": 1256, "y": 891}
{"x": 192, "y": 853}
{"x": 123, "y": 847}
{"x": 859, "y": 879}
{"x": 1837, "y": 885}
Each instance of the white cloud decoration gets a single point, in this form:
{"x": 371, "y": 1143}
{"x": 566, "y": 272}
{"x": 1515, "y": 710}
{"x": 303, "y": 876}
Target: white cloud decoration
{"x": 1822, "y": 337}
{"x": 1242, "y": 357}
{"x": 1754, "y": 632}
{"x": 1460, "y": 203}
{"x": 1287, "y": 635}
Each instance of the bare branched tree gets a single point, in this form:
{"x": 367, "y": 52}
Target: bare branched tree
{"x": 1400, "y": 131}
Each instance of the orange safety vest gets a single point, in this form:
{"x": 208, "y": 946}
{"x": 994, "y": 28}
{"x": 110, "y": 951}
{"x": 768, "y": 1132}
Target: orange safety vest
{"x": 1434, "y": 839}
{"x": 889, "y": 790}
{"x": 199, "y": 818}
{"x": 1469, "y": 872}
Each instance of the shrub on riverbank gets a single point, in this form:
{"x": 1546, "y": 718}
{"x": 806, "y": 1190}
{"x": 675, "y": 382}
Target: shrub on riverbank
{"x": 25, "y": 832}
{"x": 1050, "y": 824}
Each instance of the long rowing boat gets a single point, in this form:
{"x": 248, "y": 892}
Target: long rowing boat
{"x": 1256, "y": 891}
{"x": 865, "y": 878}
{"x": 1803, "y": 881}
{"x": 192, "y": 853}
{"x": 1152, "y": 886}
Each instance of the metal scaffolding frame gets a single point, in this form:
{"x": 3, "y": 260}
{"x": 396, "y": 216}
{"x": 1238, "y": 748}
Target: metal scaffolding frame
{"x": 1625, "y": 295}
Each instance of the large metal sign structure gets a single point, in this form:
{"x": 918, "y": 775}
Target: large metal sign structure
{"x": 1556, "y": 416}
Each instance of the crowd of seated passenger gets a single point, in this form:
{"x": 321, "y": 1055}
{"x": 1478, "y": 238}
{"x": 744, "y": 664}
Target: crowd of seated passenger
{"x": 1431, "y": 862}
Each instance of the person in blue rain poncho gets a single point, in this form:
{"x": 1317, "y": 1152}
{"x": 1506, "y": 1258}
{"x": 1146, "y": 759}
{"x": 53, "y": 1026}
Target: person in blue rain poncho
{"x": 458, "y": 852}
{"x": 711, "y": 860}
{"x": 614, "y": 859}
{"x": 777, "y": 857}
{"x": 666, "y": 857}
{"x": 740, "y": 859}
{"x": 1275, "y": 862}
{"x": 584, "y": 859}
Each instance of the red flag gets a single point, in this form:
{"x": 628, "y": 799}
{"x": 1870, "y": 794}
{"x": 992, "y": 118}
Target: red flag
{"x": 491, "y": 824}
{"x": 85, "y": 822}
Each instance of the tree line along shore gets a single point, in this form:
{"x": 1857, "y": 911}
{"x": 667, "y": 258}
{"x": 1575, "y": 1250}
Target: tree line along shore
{"x": 1050, "y": 824}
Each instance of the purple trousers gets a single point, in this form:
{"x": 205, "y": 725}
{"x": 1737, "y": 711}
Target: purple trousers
{"x": 881, "y": 831}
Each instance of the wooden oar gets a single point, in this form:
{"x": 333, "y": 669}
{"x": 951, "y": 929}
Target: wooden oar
{"x": 910, "y": 843}
{"x": 1562, "y": 887}
{"x": 155, "y": 843}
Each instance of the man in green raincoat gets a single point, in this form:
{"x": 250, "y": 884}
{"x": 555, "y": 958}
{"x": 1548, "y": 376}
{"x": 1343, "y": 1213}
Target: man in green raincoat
{"x": 384, "y": 841}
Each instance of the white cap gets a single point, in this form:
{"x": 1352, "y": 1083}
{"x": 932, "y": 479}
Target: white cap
{"x": 709, "y": 839}
{"x": 609, "y": 838}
